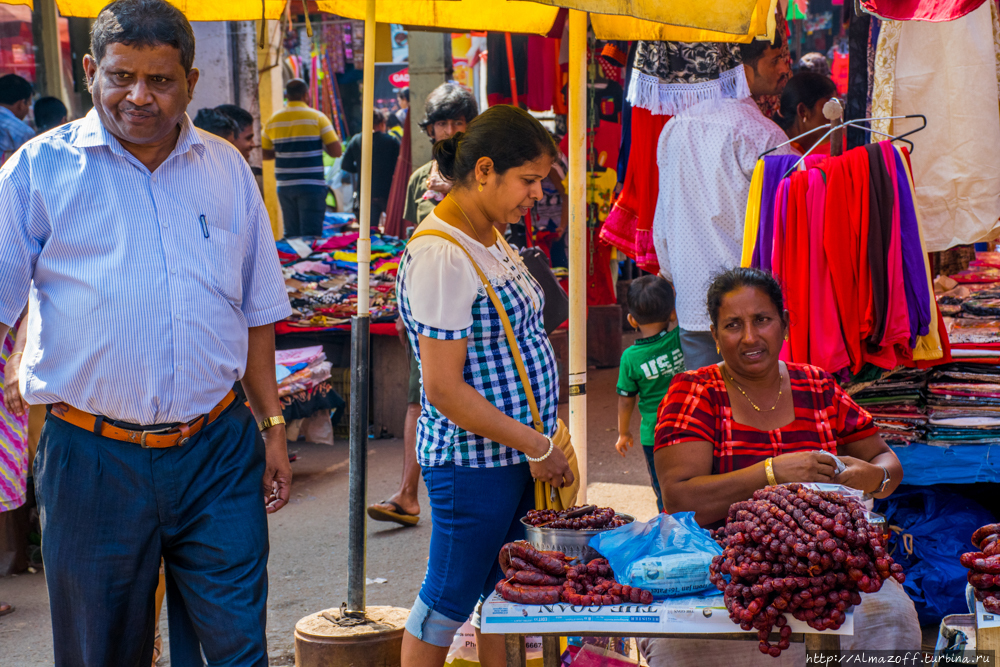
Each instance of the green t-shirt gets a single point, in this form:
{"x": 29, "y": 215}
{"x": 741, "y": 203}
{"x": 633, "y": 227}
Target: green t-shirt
{"x": 416, "y": 207}
{"x": 647, "y": 369}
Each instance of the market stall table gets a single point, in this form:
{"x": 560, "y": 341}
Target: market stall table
{"x": 687, "y": 618}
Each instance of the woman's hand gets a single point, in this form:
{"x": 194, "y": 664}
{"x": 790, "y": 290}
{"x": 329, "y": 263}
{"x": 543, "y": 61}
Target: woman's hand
{"x": 804, "y": 467}
{"x": 860, "y": 475}
{"x": 554, "y": 469}
{"x": 12, "y": 399}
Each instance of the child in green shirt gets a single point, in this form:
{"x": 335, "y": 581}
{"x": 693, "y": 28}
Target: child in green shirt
{"x": 648, "y": 366}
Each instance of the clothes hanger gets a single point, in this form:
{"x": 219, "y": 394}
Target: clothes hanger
{"x": 852, "y": 123}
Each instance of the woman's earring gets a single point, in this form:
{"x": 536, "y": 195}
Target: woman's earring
{"x": 717, "y": 350}
{"x": 480, "y": 187}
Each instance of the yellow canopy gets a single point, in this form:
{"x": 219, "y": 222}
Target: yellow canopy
{"x": 731, "y": 17}
{"x": 681, "y": 27}
{"x": 457, "y": 15}
{"x": 195, "y": 10}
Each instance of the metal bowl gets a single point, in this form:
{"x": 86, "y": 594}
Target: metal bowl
{"x": 573, "y": 543}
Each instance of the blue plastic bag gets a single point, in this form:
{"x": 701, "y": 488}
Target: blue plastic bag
{"x": 668, "y": 555}
{"x": 941, "y": 524}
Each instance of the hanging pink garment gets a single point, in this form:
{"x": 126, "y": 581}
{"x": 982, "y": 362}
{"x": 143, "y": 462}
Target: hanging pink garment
{"x": 827, "y": 348}
{"x": 921, "y": 10}
{"x": 895, "y": 343}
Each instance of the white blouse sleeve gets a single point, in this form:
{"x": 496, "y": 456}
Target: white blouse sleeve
{"x": 441, "y": 286}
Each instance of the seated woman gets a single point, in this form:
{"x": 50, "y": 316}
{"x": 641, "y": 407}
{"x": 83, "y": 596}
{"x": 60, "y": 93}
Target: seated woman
{"x": 802, "y": 111}
{"x": 722, "y": 427}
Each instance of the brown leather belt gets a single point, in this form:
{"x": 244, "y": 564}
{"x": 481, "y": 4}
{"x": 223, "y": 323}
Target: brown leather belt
{"x": 173, "y": 436}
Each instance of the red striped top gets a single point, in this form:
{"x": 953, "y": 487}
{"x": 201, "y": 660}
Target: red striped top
{"x": 697, "y": 408}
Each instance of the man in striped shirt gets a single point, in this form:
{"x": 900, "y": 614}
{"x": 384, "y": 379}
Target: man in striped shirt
{"x": 295, "y": 139}
{"x": 146, "y": 254}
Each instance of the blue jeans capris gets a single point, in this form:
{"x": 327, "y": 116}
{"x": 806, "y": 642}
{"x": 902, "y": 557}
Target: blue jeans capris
{"x": 474, "y": 512}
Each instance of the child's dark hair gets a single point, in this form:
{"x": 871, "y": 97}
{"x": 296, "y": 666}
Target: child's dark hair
{"x": 650, "y": 299}
{"x": 507, "y": 135}
{"x": 733, "y": 279}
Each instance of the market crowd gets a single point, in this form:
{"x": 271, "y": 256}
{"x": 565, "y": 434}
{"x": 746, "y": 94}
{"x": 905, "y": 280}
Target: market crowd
{"x": 148, "y": 457}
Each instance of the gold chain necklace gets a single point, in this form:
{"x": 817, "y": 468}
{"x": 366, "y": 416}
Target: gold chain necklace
{"x": 465, "y": 215}
{"x": 752, "y": 404}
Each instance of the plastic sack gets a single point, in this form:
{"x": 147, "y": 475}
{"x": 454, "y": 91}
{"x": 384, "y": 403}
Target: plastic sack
{"x": 463, "y": 651}
{"x": 935, "y": 530}
{"x": 668, "y": 555}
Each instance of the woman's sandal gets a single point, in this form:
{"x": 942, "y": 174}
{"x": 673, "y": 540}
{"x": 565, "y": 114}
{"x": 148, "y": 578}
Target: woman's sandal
{"x": 396, "y": 514}
{"x": 6, "y": 609}
{"x": 157, "y": 648}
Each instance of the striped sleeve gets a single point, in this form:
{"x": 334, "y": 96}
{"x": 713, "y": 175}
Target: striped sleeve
{"x": 326, "y": 131}
{"x": 266, "y": 142}
{"x": 265, "y": 299}
{"x": 686, "y": 414}
{"x": 852, "y": 422}
{"x": 19, "y": 248}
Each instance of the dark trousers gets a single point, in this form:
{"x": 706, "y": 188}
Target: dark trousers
{"x": 110, "y": 509}
{"x": 653, "y": 479}
{"x": 303, "y": 208}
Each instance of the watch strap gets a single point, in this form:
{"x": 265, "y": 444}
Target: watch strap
{"x": 265, "y": 424}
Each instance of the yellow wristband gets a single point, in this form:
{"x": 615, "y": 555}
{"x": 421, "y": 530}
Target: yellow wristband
{"x": 769, "y": 470}
{"x": 269, "y": 422}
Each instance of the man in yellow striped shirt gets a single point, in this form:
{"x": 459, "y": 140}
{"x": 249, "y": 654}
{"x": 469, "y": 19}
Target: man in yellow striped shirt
{"x": 295, "y": 139}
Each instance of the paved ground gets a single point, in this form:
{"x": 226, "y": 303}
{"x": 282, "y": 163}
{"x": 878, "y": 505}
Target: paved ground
{"x": 308, "y": 562}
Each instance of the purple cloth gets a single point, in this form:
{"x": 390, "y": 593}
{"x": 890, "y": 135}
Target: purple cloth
{"x": 918, "y": 299}
{"x": 775, "y": 167}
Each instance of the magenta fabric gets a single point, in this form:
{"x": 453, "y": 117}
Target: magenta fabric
{"x": 827, "y": 348}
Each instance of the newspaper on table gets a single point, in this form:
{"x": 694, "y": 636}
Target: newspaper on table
{"x": 689, "y": 615}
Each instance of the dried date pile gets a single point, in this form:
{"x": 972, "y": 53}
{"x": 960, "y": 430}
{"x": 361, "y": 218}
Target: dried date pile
{"x": 984, "y": 566}
{"x": 598, "y": 518}
{"x": 791, "y": 550}
{"x": 545, "y": 577}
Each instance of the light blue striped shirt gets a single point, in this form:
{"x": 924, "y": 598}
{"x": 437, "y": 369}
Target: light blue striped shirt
{"x": 134, "y": 313}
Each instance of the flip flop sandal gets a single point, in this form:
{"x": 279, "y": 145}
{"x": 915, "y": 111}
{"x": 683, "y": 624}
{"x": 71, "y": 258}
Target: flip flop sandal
{"x": 157, "y": 648}
{"x": 8, "y": 610}
{"x": 396, "y": 515}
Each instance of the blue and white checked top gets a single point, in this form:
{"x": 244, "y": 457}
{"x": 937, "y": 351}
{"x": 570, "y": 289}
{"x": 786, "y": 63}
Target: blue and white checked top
{"x": 489, "y": 367}
{"x": 138, "y": 312}
{"x": 14, "y": 132}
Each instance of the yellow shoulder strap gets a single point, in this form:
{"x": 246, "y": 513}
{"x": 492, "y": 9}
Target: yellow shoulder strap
{"x": 504, "y": 318}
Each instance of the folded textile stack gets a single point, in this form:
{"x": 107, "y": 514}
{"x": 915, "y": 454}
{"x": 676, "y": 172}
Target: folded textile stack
{"x": 897, "y": 404}
{"x": 301, "y": 369}
{"x": 322, "y": 279}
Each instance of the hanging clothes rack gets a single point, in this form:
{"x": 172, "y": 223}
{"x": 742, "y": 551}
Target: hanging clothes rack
{"x": 830, "y": 129}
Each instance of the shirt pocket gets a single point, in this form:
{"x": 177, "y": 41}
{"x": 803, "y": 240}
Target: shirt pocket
{"x": 225, "y": 256}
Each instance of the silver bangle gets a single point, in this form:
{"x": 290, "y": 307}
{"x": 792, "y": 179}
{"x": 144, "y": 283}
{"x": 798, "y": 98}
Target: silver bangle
{"x": 545, "y": 455}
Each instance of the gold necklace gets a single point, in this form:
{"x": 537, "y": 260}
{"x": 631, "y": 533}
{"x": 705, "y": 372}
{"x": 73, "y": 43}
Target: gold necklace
{"x": 752, "y": 404}
{"x": 465, "y": 215}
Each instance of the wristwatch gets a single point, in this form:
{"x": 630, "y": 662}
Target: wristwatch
{"x": 265, "y": 424}
{"x": 885, "y": 480}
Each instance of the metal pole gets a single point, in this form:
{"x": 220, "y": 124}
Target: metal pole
{"x": 578, "y": 243}
{"x": 360, "y": 344}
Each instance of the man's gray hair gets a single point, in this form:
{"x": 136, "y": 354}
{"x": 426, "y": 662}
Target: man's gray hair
{"x": 143, "y": 23}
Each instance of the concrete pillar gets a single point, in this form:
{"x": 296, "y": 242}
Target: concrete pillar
{"x": 212, "y": 58}
{"x": 271, "y": 100}
{"x": 428, "y": 70}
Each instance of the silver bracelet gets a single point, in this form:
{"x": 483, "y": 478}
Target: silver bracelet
{"x": 546, "y": 454}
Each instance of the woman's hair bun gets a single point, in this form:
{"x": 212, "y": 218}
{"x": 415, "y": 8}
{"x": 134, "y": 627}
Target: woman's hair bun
{"x": 445, "y": 153}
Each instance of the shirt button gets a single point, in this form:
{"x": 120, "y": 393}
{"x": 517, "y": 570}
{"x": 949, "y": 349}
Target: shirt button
{"x": 177, "y": 317}
{"x": 173, "y": 271}
{"x": 165, "y": 225}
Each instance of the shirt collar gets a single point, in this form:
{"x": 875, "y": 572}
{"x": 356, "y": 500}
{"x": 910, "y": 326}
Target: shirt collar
{"x": 297, "y": 103}
{"x": 651, "y": 339}
{"x": 93, "y": 133}
{"x": 4, "y": 111}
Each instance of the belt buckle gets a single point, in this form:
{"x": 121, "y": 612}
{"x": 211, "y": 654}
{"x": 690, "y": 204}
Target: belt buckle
{"x": 142, "y": 439}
